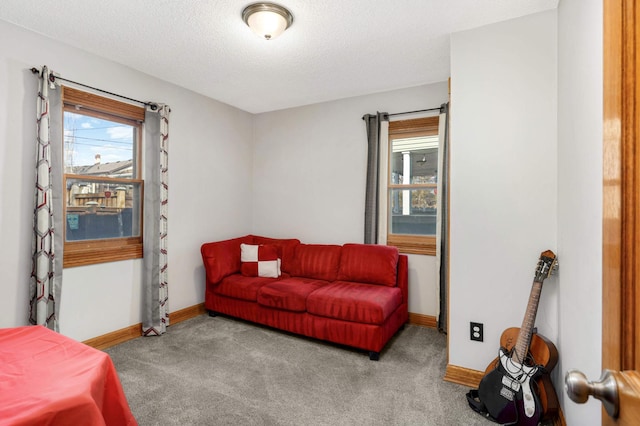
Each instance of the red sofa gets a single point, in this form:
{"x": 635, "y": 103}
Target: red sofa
{"x": 354, "y": 295}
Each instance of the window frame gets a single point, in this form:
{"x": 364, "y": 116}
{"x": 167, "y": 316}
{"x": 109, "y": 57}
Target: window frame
{"x": 398, "y": 129}
{"x": 90, "y": 252}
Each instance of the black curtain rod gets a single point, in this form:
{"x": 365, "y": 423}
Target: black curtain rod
{"x": 442, "y": 108}
{"x": 53, "y": 78}
{"x": 413, "y": 112}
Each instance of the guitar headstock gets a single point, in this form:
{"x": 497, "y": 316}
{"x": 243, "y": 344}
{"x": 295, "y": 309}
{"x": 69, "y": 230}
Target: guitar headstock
{"x": 547, "y": 263}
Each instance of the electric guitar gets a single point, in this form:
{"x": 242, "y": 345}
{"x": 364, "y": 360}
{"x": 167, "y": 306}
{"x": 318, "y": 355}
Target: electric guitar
{"x": 517, "y": 388}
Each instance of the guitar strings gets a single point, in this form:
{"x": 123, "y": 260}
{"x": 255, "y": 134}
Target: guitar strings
{"x": 517, "y": 369}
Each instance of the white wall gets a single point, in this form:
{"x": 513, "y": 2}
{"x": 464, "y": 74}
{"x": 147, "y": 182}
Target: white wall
{"x": 503, "y": 180}
{"x": 580, "y": 101}
{"x": 309, "y": 175}
{"x": 210, "y": 143}
{"x": 503, "y": 92}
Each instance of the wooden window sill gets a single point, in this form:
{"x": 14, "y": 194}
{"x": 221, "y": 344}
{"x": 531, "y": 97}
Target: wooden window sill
{"x": 413, "y": 244}
{"x": 81, "y": 254}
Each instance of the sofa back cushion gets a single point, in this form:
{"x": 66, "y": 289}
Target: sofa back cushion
{"x": 222, "y": 258}
{"x": 317, "y": 261}
{"x": 287, "y": 249}
{"x": 369, "y": 263}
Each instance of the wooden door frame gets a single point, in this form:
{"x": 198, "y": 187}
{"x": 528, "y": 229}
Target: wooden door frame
{"x": 621, "y": 188}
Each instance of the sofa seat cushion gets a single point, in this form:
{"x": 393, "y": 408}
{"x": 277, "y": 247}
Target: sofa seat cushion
{"x": 241, "y": 287}
{"x": 289, "y": 294}
{"x": 364, "y": 303}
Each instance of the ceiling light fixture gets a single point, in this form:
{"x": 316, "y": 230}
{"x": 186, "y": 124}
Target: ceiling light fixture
{"x": 267, "y": 20}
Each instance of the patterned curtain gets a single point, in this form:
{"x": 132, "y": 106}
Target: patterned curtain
{"x": 155, "y": 316}
{"x": 47, "y": 246}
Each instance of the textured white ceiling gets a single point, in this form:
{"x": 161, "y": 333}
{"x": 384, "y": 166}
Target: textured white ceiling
{"x": 334, "y": 49}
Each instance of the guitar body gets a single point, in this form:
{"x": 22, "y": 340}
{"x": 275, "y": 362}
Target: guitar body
{"x": 543, "y": 355}
{"x": 508, "y": 393}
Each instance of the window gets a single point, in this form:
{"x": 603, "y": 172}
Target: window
{"x": 412, "y": 185}
{"x": 103, "y": 194}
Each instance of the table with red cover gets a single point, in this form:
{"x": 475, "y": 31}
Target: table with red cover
{"x": 49, "y": 379}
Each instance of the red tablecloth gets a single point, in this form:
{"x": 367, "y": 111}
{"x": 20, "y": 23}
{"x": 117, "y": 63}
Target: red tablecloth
{"x": 49, "y": 379}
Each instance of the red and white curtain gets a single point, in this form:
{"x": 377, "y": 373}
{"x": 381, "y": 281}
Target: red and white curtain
{"x": 46, "y": 276}
{"x": 156, "y": 196}
{"x": 46, "y": 273}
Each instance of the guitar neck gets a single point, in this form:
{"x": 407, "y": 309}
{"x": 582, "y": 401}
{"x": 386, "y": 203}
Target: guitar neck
{"x": 526, "y": 330}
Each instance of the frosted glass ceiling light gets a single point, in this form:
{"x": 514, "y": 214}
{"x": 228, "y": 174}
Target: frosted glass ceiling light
{"x": 267, "y": 20}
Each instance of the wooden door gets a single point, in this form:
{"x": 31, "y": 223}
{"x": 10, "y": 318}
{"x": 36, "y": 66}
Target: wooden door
{"x": 621, "y": 207}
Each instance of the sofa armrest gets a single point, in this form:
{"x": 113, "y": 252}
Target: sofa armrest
{"x": 222, "y": 258}
{"x": 403, "y": 276}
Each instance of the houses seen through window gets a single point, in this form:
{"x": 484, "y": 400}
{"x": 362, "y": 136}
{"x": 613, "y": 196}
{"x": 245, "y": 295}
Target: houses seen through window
{"x": 102, "y": 179}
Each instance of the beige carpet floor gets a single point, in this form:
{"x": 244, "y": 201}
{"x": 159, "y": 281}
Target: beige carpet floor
{"x": 223, "y": 371}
